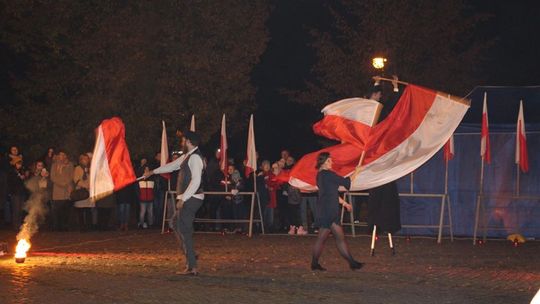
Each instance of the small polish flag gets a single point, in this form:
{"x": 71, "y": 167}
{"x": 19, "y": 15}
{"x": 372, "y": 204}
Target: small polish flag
{"x": 111, "y": 167}
{"x": 164, "y": 150}
{"x": 223, "y": 161}
{"x": 192, "y": 126}
{"x": 485, "y": 151}
{"x": 251, "y": 159}
{"x": 522, "y": 157}
{"x": 449, "y": 149}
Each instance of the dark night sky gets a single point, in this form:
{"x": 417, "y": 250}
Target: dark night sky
{"x": 288, "y": 58}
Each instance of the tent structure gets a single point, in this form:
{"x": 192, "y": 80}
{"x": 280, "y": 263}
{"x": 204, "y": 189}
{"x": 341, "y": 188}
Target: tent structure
{"x": 501, "y": 212}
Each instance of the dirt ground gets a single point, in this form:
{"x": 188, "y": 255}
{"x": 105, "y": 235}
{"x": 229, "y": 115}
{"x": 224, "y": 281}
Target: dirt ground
{"x": 139, "y": 266}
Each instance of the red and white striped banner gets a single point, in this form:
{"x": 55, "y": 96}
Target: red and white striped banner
{"x": 420, "y": 124}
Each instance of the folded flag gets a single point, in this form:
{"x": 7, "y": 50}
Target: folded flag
{"x": 111, "y": 167}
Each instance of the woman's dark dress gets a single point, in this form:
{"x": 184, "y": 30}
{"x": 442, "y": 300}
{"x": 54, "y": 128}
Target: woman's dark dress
{"x": 328, "y": 208}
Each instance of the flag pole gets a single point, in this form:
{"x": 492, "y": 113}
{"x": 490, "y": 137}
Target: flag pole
{"x": 518, "y": 175}
{"x": 412, "y": 182}
{"x": 446, "y": 178}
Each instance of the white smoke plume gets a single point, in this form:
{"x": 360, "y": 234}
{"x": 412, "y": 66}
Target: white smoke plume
{"x": 36, "y": 206}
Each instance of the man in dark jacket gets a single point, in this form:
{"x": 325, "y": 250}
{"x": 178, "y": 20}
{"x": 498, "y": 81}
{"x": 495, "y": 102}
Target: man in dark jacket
{"x": 17, "y": 193}
{"x": 383, "y": 203}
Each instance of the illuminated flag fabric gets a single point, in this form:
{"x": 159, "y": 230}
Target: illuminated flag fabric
{"x": 111, "y": 167}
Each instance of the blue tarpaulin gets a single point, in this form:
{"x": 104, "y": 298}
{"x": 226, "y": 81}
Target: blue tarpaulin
{"x": 509, "y": 215}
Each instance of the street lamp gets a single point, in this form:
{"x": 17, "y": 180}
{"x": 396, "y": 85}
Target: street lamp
{"x": 378, "y": 62}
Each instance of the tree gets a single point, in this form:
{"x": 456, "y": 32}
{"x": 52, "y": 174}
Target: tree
{"x": 144, "y": 61}
{"x": 431, "y": 43}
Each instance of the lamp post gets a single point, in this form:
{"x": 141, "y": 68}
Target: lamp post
{"x": 378, "y": 64}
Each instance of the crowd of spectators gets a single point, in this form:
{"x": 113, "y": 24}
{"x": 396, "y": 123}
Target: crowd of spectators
{"x": 63, "y": 191}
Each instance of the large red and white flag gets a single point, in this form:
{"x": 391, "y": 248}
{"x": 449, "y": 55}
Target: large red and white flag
{"x": 419, "y": 125}
{"x": 522, "y": 157}
{"x": 349, "y": 120}
{"x": 164, "y": 150}
{"x": 251, "y": 153}
{"x": 223, "y": 160}
{"x": 111, "y": 167}
{"x": 192, "y": 125}
{"x": 485, "y": 151}
{"x": 449, "y": 149}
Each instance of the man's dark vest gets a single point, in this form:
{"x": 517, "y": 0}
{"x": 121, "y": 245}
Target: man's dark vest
{"x": 184, "y": 175}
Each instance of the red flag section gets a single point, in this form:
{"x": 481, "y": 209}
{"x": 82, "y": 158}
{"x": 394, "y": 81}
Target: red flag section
{"x": 522, "y": 157}
{"x": 485, "y": 151}
{"x": 449, "y": 149}
{"x": 111, "y": 167}
{"x": 349, "y": 120}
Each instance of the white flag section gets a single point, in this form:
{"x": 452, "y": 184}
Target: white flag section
{"x": 111, "y": 167}
{"x": 192, "y": 125}
{"x": 164, "y": 146}
{"x": 436, "y": 127}
{"x": 349, "y": 120}
{"x": 419, "y": 125}
{"x": 251, "y": 153}
{"x": 223, "y": 160}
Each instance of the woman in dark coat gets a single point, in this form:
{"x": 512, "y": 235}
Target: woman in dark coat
{"x": 328, "y": 218}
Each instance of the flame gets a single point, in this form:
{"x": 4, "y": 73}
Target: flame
{"x": 22, "y": 248}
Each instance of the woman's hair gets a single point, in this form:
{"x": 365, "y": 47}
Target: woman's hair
{"x": 321, "y": 159}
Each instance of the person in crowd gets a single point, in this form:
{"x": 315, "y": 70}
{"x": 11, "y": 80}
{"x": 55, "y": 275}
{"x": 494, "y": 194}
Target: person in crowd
{"x": 214, "y": 176}
{"x": 14, "y": 155}
{"x": 40, "y": 187}
{"x": 146, "y": 200}
{"x": 17, "y": 192}
{"x": 48, "y": 158}
{"x": 160, "y": 187}
{"x": 125, "y": 197}
{"x": 139, "y": 170}
{"x": 309, "y": 199}
{"x": 62, "y": 180}
{"x": 267, "y": 194}
{"x": 81, "y": 183}
{"x": 285, "y": 155}
{"x": 294, "y": 198}
{"x": 170, "y": 200}
{"x": 328, "y": 214}
{"x": 237, "y": 201}
{"x": 190, "y": 195}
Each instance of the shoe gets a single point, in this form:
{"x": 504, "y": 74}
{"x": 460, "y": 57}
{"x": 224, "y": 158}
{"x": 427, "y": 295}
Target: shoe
{"x": 356, "y": 221}
{"x": 317, "y": 267}
{"x": 354, "y": 265}
{"x": 301, "y": 231}
{"x": 292, "y": 230}
{"x": 169, "y": 230}
{"x": 145, "y": 226}
{"x": 188, "y": 272}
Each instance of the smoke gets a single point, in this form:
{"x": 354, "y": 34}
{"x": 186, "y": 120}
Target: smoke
{"x": 36, "y": 207}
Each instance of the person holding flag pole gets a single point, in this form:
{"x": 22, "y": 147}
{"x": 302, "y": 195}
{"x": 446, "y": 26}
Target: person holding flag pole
{"x": 190, "y": 195}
